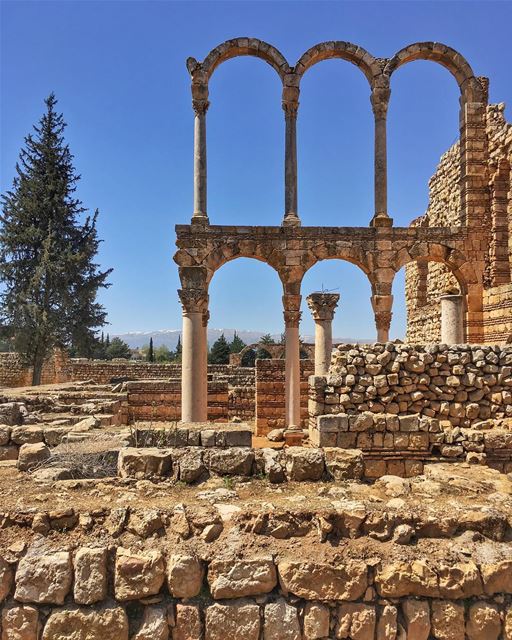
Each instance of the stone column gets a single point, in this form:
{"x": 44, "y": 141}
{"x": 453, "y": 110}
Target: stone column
{"x": 380, "y": 99}
{"x": 200, "y": 104}
{"x": 452, "y": 319}
{"x": 204, "y": 364}
{"x": 292, "y": 315}
{"x": 382, "y": 305}
{"x": 322, "y": 306}
{"x": 193, "y": 359}
{"x": 290, "y": 107}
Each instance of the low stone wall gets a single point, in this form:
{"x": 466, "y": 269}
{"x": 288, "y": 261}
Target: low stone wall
{"x": 463, "y": 384}
{"x": 13, "y": 373}
{"x": 118, "y": 593}
{"x": 200, "y": 436}
{"x": 270, "y": 394}
{"x": 159, "y": 400}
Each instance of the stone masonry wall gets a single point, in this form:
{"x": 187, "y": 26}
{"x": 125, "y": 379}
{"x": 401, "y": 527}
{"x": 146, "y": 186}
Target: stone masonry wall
{"x": 461, "y": 384}
{"x": 426, "y": 283}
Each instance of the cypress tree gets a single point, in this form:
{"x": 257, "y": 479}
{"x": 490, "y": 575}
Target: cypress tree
{"x": 177, "y": 353}
{"x": 151, "y": 352}
{"x": 237, "y": 344}
{"x": 46, "y": 252}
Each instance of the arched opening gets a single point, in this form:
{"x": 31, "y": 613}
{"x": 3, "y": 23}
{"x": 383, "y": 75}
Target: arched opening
{"x": 335, "y": 146}
{"x": 423, "y": 153}
{"x": 245, "y": 144}
{"x": 353, "y": 318}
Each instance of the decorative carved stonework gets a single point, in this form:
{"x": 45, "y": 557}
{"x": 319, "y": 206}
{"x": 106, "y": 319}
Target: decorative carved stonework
{"x": 380, "y": 101}
{"x": 322, "y": 305}
{"x": 193, "y": 300}
{"x": 383, "y": 319}
{"x": 200, "y": 106}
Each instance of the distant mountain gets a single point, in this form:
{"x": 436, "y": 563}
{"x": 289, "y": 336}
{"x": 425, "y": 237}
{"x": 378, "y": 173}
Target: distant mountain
{"x": 169, "y": 337}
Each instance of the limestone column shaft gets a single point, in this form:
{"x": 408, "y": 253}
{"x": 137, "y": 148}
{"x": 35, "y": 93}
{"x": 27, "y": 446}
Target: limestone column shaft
{"x": 292, "y": 315}
{"x": 193, "y": 363}
{"x": 380, "y": 99}
{"x": 452, "y": 319}
{"x": 322, "y": 306}
{"x": 200, "y": 179}
{"x": 290, "y": 107}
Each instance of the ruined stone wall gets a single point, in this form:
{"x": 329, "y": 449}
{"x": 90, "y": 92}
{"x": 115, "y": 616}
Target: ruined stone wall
{"x": 270, "y": 394}
{"x": 426, "y": 283}
{"x": 460, "y": 384}
{"x": 14, "y": 374}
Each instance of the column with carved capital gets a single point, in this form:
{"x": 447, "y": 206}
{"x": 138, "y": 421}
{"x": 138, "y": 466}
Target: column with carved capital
{"x": 193, "y": 360}
{"x": 382, "y": 305}
{"x": 291, "y": 304}
{"x": 290, "y": 106}
{"x": 380, "y": 100}
{"x": 200, "y": 104}
{"x": 322, "y": 306}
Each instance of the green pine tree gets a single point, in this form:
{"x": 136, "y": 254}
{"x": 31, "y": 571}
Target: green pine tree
{"x": 118, "y": 349}
{"x": 46, "y": 253}
{"x": 267, "y": 339}
{"x": 150, "y": 357}
{"x": 219, "y": 353}
{"x": 237, "y": 344}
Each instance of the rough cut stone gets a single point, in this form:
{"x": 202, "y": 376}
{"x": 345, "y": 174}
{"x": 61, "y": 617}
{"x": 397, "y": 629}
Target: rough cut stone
{"x": 356, "y": 622}
{"x": 497, "y": 577}
{"x": 318, "y": 581}
{"x": 281, "y": 622}
{"x": 138, "y": 575}
{"x": 32, "y": 455}
{"x": 236, "y": 461}
{"x": 400, "y": 579}
{"x": 316, "y": 621}
{"x": 20, "y": 623}
{"x": 26, "y": 435}
{"x": 304, "y": 464}
{"x": 9, "y": 452}
{"x": 484, "y": 622}
{"x": 80, "y": 623}
{"x": 44, "y": 579}
{"x": 238, "y": 619}
{"x": 144, "y": 463}
{"x": 417, "y": 618}
{"x": 447, "y": 620}
{"x": 154, "y": 624}
{"x": 460, "y": 580}
{"x": 387, "y": 626}
{"x": 344, "y": 464}
{"x": 6, "y": 579}
{"x": 188, "y": 624}
{"x": 90, "y": 584}
{"x": 236, "y": 578}
{"x": 185, "y": 575}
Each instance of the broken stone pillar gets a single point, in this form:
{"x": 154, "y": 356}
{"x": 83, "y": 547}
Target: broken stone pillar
{"x": 194, "y": 354}
{"x": 200, "y": 104}
{"x": 290, "y": 107}
{"x": 322, "y": 306}
{"x": 380, "y": 99}
{"x": 292, "y": 315}
{"x": 452, "y": 319}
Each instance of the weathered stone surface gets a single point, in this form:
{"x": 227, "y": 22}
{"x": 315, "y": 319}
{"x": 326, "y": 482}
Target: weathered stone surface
{"x": 236, "y": 578}
{"x": 20, "y": 622}
{"x": 154, "y": 624}
{"x": 460, "y": 580}
{"x": 356, "y": 621}
{"x": 507, "y": 628}
{"x": 44, "y": 578}
{"x": 144, "y": 523}
{"x": 10, "y": 413}
{"x": 497, "y": 578}
{"x": 236, "y": 461}
{"x": 417, "y": 618}
{"x": 268, "y": 463}
{"x": 447, "y": 620}
{"x": 32, "y": 455}
{"x": 237, "y": 619}
{"x": 90, "y": 583}
{"x": 188, "y": 625}
{"x": 26, "y": 435}
{"x": 281, "y": 622}
{"x": 304, "y": 464}
{"x": 185, "y": 575}
{"x": 6, "y": 579}
{"x": 344, "y": 464}
{"x": 396, "y": 580}
{"x": 191, "y": 466}
{"x": 318, "y": 581}
{"x": 484, "y": 622}
{"x": 144, "y": 463}
{"x": 387, "y": 625}
{"x": 138, "y": 575}
{"x": 316, "y": 621}
{"x": 80, "y": 623}
{"x": 9, "y": 452}
{"x": 5, "y": 434}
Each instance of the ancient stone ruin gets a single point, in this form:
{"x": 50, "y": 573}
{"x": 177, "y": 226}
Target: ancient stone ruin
{"x": 359, "y": 492}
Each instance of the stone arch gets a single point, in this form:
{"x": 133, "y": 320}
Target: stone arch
{"x": 242, "y": 47}
{"x": 354, "y": 255}
{"x": 449, "y": 58}
{"x": 345, "y": 51}
{"x": 223, "y": 254}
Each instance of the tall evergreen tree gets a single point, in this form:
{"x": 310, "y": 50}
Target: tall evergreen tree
{"x": 237, "y": 344}
{"x": 118, "y": 349}
{"x": 46, "y": 253}
{"x": 151, "y": 353}
{"x": 219, "y": 353}
{"x": 177, "y": 353}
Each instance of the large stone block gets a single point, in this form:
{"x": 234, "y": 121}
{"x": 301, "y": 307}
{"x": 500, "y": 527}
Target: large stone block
{"x": 356, "y": 622}
{"x": 185, "y": 574}
{"x": 6, "y": 579}
{"x": 237, "y": 578}
{"x": 81, "y": 623}
{"x": 44, "y": 578}
{"x": 90, "y": 584}
{"x": 144, "y": 463}
{"x": 304, "y": 464}
{"x": 320, "y": 581}
{"x": 138, "y": 575}
{"x": 235, "y": 462}
{"x": 344, "y": 464}
{"x": 20, "y": 622}
{"x": 237, "y": 619}
{"x": 281, "y": 622}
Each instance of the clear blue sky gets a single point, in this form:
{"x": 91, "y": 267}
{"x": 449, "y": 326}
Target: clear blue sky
{"x": 118, "y": 69}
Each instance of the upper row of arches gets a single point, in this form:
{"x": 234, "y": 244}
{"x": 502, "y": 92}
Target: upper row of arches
{"x": 372, "y": 67}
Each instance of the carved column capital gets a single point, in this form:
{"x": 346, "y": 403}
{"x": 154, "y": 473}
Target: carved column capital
{"x": 291, "y": 311}
{"x": 290, "y": 101}
{"x": 322, "y": 305}
{"x": 383, "y": 320}
{"x": 380, "y": 101}
{"x": 200, "y": 106}
{"x": 194, "y": 301}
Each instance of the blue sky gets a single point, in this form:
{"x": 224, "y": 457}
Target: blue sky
{"x": 118, "y": 70}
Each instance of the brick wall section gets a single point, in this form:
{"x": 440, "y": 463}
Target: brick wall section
{"x": 425, "y": 285}
{"x": 461, "y": 384}
{"x": 270, "y": 394}
{"x": 14, "y": 374}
